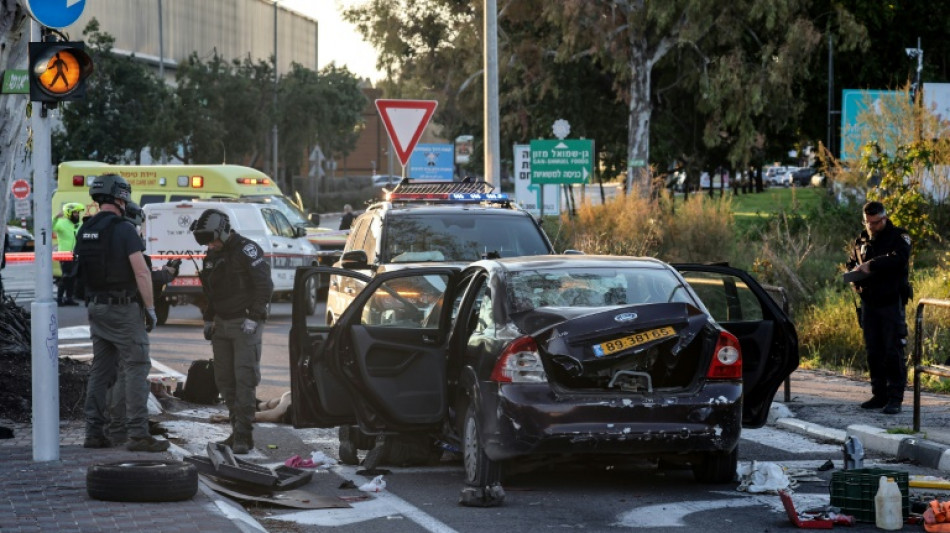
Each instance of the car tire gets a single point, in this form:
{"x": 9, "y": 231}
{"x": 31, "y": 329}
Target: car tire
{"x": 313, "y": 296}
{"x": 142, "y": 481}
{"x": 717, "y": 467}
{"x": 480, "y": 471}
{"x": 161, "y": 311}
{"x": 348, "y": 453}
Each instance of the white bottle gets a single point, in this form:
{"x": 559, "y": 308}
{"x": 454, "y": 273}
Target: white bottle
{"x": 887, "y": 505}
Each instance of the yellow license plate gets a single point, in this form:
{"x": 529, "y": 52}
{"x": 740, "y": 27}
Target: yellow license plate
{"x": 624, "y": 343}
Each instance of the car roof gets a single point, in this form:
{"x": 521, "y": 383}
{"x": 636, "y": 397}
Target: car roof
{"x": 434, "y": 209}
{"x": 515, "y": 264}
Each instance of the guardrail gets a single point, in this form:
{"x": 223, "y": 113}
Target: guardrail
{"x": 936, "y": 370}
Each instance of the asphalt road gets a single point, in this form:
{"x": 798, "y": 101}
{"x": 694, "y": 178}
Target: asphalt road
{"x": 570, "y": 496}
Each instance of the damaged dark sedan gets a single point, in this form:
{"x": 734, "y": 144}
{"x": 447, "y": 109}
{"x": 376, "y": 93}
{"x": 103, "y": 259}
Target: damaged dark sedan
{"x": 543, "y": 357}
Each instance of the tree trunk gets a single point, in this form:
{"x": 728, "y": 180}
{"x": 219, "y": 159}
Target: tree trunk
{"x": 15, "y": 160}
{"x": 638, "y": 124}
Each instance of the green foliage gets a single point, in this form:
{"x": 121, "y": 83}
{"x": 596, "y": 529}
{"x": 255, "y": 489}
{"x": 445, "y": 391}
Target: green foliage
{"x": 900, "y": 187}
{"x": 118, "y": 117}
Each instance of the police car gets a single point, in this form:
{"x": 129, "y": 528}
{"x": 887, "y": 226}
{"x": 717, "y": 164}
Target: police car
{"x": 167, "y": 237}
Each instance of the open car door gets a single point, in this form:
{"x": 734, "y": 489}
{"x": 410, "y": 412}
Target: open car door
{"x": 392, "y": 349}
{"x": 316, "y": 386}
{"x": 766, "y": 335}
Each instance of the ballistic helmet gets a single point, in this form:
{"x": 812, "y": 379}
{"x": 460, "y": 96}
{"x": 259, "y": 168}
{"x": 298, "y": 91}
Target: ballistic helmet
{"x": 73, "y": 207}
{"x": 212, "y": 225}
{"x": 134, "y": 213}
{"x": 109, "y": 187}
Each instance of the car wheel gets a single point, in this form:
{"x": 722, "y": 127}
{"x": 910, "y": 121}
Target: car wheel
{"x": 348, "y": 455}
{"x": 717, "y": 467}
{"x": 161, "y": 311}
{"x": 312, "y": 295}
{"x": 480, "y": 471}
{"x": 142, "y": 481}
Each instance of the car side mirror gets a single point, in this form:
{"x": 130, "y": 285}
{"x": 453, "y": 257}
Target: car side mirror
{"x": 354, "y": 260}
{"x": 314, "y": 218}
{"x": 300, "y": 231}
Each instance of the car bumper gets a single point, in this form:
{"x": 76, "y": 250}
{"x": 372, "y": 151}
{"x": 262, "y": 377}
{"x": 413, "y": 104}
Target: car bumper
{"x": 522, "y": 419}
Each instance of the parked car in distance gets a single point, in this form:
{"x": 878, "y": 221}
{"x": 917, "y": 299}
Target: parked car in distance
{"x": 773, "y": 175}
{"x": 386, "y": 180}
{"x": 18, "y": 240}
{"x": 803, "y": 176}
{"x": 520, "y": 360}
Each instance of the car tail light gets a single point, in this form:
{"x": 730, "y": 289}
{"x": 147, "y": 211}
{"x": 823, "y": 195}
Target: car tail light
{"x": 519, "y": 362}
{"x": 727, "y": 358}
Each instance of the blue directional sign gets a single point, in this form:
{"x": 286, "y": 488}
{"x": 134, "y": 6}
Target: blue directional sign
{"x": 432, "y": 162}
{"x": 55, "y": 13}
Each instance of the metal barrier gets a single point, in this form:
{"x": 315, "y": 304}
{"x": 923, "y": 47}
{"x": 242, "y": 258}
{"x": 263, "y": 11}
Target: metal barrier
{"x": 936, "y": 370}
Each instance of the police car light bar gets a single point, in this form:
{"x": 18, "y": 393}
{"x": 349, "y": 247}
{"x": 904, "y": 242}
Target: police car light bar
{"x": 459, "y": 197}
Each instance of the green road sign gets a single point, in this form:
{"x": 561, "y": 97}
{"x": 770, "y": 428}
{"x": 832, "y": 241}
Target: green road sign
{"x": 564, "y": 161}
{"x": 15, "y": 81}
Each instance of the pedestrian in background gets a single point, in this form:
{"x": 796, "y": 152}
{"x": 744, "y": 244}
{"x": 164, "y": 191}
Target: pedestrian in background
{"x": 237, "y": 285}
{"x": 65, "y": 226}
{"x": 347, "y": 219}
{"x": 117, "y": 285}
{"x": 115, "y": 398}
{"x": 882, "y": 255}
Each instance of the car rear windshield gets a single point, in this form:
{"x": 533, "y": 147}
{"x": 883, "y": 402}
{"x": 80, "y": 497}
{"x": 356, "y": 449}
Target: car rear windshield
{"x": 593, "y": 287}
{"x": 460, "y": 237}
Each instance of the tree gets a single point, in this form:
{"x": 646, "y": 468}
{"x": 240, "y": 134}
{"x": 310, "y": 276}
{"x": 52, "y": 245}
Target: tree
{"x": 15, "y": 142}
{"x": 117, "y": 118}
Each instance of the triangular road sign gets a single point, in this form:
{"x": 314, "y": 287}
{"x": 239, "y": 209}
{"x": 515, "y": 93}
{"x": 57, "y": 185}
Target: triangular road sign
{"x": 405, "y": 120}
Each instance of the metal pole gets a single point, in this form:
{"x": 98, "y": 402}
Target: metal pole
{"x": 274, "y": 131}
{"x": 44, "y": 329}
{"x": 831, "y": 88}
{"x": 161, "y": 45}
{"x": 492, "y": 137}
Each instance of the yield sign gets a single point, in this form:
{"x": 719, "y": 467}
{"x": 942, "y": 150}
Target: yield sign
{"x": 405, "y": 121}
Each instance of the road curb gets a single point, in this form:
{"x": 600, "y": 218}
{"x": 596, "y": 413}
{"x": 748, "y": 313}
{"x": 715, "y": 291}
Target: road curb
{"x": 812, "y": 430}
{"x": 921, "y": 451}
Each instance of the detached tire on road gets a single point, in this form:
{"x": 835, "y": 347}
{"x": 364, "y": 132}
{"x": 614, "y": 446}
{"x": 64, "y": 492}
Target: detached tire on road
{"x": 142, "y": 481}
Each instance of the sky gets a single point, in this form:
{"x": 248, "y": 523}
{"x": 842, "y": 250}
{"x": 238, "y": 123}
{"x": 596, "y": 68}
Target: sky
{"x": 338, "y": 40}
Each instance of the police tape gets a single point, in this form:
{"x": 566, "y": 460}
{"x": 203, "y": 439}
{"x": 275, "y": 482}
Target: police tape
{"x": 29, "y": 257}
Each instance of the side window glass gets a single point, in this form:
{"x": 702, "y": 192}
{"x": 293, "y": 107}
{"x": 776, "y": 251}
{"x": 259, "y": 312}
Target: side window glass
{"x": 406, "y": 302}
{"x": 728, "y": 298}
{"x": 270, "y": 222}
{"x": 151, "y": 199}
{"x": 485, "y": 319}
{"x": 357, "y": 235}
{"x": 284, "y": 227}
{"x": 372, "y": 237}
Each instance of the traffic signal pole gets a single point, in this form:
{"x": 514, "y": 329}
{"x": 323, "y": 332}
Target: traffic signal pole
{"x": 44, "y": 329}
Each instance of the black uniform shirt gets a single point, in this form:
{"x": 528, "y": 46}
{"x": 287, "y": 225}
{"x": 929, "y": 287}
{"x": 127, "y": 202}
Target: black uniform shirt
{"x": 236, "y": 280}
{"x": 888, "y": 253}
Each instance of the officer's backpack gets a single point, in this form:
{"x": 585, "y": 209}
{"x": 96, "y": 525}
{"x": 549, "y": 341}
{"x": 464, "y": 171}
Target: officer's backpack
{"x": 200, "y": 386}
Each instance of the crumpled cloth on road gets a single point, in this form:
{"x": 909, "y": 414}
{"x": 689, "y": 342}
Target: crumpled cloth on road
{"x": 378, "y": 484}
{"x": 317, "y": 460}
{"x": 758, "y": 477}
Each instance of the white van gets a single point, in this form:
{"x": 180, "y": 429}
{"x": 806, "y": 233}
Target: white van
{"x": 167, "y": 237}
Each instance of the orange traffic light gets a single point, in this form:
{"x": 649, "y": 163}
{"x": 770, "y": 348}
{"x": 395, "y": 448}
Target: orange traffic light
{"x": 58, "y": 71}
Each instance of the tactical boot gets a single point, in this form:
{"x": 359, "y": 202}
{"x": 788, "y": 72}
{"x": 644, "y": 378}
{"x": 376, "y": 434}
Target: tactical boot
{"x": 242, "y": 445}
{"x": 229, "y": 442}
{"x": 97, "y": 442}
{"x": 147, "y": 444}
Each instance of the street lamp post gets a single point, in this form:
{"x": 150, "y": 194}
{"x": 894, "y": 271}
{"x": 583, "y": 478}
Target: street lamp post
{"x": 274, "y": 131}
{"x": 916, "y": 92}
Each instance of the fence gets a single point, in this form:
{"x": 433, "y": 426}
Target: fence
{"x": 936, "y": 370}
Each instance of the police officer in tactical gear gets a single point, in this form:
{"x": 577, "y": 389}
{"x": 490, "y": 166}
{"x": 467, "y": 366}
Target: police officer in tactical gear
{"x": 118, "y": 290}
{"x": 882, "y": 254}
{"x": 161, "y": 277}
{"x": 237, "y": 285}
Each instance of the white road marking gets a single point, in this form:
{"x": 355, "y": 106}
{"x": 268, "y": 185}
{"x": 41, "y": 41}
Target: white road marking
{"x": 384, "y": 504}
{"x": 673, "y": 514}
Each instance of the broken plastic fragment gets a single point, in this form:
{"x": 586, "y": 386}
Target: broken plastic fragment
{"x": 377, "y": 484}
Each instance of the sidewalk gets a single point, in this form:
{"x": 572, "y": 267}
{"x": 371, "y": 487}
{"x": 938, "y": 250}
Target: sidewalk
{"x": 51, "y": 495}
{"x": 825, "y": 405}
